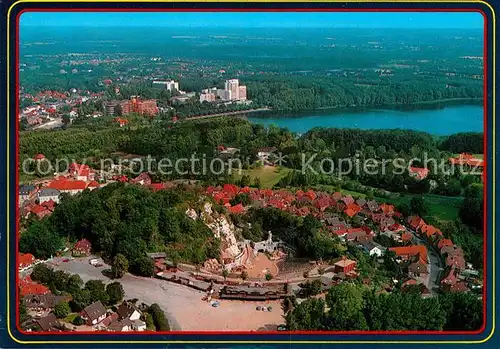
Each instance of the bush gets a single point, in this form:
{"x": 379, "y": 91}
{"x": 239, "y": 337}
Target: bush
{"x": 62, "y": 310}
{"x": 78, "y": 321}
{"x": 115, "y": 292}
{"x": 159, "y": 318}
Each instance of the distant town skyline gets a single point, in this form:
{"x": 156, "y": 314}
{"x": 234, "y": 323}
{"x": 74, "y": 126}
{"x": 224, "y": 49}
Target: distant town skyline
{"x": 403, "y": 20}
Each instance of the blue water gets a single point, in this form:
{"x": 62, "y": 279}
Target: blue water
{"x": 445, "y": 121}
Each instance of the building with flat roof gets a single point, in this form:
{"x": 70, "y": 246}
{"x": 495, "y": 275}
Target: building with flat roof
{"x": 170, "y": 85}
{"x": 233, "y": 86}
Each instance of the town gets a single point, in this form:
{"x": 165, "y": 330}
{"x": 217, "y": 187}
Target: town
{"x": 266, "y": 216}
{"x": 256, "y": 271}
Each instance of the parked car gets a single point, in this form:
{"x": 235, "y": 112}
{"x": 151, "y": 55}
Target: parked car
{"x": 215, "y": 304}
{"x": 269, "y": 308}
{"x": 282, "y": 327}
{"x": 259, "y": 308}
{"x": 65, "y": 260}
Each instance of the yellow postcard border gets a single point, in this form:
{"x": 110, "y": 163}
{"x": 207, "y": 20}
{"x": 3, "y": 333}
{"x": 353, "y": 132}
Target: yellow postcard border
{"x": 256, "y": 341}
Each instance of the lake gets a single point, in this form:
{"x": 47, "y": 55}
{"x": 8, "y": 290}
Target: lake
{"x": 444, "y": 121}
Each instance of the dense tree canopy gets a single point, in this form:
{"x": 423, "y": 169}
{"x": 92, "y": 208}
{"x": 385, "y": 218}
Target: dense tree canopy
{"x": 350, "y": 307}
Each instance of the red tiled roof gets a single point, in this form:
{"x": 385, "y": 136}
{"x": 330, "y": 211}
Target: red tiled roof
{"x": 414, "y": 250}
{"x": 39, "y": 210}
{"x": 66, "y": 184}
{"x": 322, "y": 203}
{"x": 74, "y": 166}
{"x": 444, "y": 242}
{"x": 230, "y": 189}
{"x": 34, "y": 289}
{"x": 352, "y": 209}
{"x": 466, "y": 159}
{"x": 406, "y": 237}
{"x": 387, "y": 208}
{"x": 93, "y": 184}
{"x": 415, "y": 222}
{"x": 83, "y": 244}
{"x": 420, "y": 172}
{"x": 430, "y": 230}
{"x": 237, "y": 209}
{"x": 396, "y": 227}
{"x": 450, "y": 278}
{"x": 26, "y": 259}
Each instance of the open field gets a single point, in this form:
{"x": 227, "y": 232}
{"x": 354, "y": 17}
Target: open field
{"x": 444, "y": 208}
{"x": 183, "y": 305}
{"x": 268, "y": 175}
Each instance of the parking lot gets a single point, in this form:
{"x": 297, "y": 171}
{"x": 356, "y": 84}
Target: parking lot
{"x": 183, "y": 305}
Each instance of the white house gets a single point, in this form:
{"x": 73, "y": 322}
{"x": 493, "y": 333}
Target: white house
{"x": 373, "y": 249}
{"x": 47, "y": 194}
{"x": 94, "y": 313}
{"x": 128, "y": 311}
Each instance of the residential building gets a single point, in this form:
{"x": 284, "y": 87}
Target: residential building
{"x": 82, "y": 248}
{"x": 410, "y": 253}
{"x": 373, "y": 249}
{"x": 26, "y": 192}
{"x": 418, "y": 173}
{"x": 48, "y": 323}
{"x": 242, "y": 93}
{"x": 43, "y": 302}
{"x": 94, "y": 313}
{"x": 467, "y": 159}
{"x": 121, "y": 326}
{"x": 232, "y": 85}
{"x": 143, "y": 179}
{"x": 26, "y": 260}
{"x": 344, "y": 266}
{"x": 128, "y": 311}
{"x": 170, "y": 85}
{"x": 48, "y": 194}
{"x": 417, "y": 268}
{"x": 207, "y": 97}
{"x": 68, "y": 186}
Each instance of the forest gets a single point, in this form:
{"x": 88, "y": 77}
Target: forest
{"x": 126, "y": 220}
{"x": 181, "y": 140}
{"x": 357, "y": 307}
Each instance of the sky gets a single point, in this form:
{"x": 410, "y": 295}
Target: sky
{"x": 441, "y": 20}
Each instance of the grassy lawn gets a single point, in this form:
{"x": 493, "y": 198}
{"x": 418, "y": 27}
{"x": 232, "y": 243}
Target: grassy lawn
{"x": 268, "y": 175}
{"x": 443, "y": 208}
{"x": 70, "y": 317}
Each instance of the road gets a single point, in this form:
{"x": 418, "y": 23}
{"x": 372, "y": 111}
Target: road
{"x": 435, "y": 264}
{"x": 225, "y": 114}
{"x": 183, "y": 305}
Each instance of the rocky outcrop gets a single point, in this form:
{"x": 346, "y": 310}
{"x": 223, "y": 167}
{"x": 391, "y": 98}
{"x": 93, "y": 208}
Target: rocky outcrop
{"x": 221, "y": 227}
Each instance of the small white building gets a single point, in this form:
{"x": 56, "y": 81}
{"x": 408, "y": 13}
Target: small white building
{"x": 47, "y": 194}
{"x": 373, "y": 249}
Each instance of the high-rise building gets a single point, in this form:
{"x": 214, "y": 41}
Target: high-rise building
{"x": 242, "y": 93}
{"x": 233, "y": 86}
